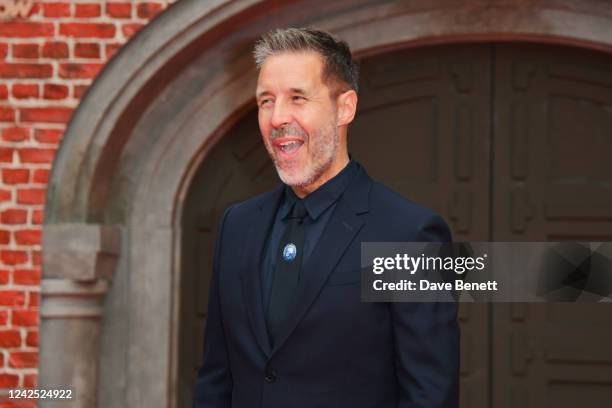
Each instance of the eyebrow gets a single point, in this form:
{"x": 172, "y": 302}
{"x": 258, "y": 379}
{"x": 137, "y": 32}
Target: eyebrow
{"x": 292, "y": 90}
{"x": 262, "y": 93}
{"x": 297, "y": 90}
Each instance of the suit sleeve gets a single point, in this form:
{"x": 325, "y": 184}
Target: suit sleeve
{"x": 213, "y": 387}
{"x": 427, "y": 342}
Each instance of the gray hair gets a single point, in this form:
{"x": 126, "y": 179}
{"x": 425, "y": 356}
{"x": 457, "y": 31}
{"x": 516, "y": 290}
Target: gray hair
{"x": 338, "y": 63}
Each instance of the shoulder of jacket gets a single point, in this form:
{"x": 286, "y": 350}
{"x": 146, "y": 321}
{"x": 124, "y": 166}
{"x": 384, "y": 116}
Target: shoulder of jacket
{"x": 247, "y": 207}
{"x": 382, "y": 198}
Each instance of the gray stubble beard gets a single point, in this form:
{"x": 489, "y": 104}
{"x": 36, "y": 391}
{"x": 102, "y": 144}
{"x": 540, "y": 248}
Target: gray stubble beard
{"x": 321, "y": 150}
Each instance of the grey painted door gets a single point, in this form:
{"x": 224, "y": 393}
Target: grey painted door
{"x": 507, "y": 142}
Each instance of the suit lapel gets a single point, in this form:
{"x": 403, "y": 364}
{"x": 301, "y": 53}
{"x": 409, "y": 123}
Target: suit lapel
{"x": 257, "y": 234}
{"x": 342, "y": 227}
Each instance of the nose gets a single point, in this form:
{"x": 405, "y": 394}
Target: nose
{"x": 281, "y": 115}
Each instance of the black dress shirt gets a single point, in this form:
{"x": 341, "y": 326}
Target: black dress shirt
{"x": 319, "y": 206}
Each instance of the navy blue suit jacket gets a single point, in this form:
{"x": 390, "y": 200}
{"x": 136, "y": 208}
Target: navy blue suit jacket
{"x": 334, "y": 350}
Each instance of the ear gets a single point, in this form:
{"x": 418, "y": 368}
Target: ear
{"x": 347, "y": 106}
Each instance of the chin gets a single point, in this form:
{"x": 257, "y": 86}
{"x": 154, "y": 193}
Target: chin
{"x": 294, "y": 178}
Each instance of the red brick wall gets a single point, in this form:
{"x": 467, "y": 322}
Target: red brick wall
{"x": 47, "y": 61}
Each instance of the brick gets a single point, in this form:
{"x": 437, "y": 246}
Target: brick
{"x": 56, "y": 9}
{"x": 48, "y": 135}
{"x": 36, "y": 258}
{"x": 30, "y": 380}
{"x": 149, "y": 10}
{"x": 20, "y": 404}
{"x": 37, "y": 217}
{"x": 5, "y": 239}
{"x": 7, "y": 114}
{"x": 119, "y": 10}
{"x": 111, "y": 49}
{"x": 50, "y": 115}
{"x": 40, "y": 176}
{"x": 15, "y": 134}
{"x": 55, "y": 91}
{"x": 3, "y": 91}
{"x": 23, "y": 359}
{"x": 35, "y": 10}
{"x": 13, "y": 216}
{"x": 131, "y": 29}
{"x": 26, "y": 51}
{"x": 34, "y": 299}
{"x": 10, "y": 338}
{"x": 27, "y": 237}
{"x": 87, "y": 50}
{"x": 5, "y": 195}
{"x": 88, "y": 30}
{"x": 27, "y": 276}
{"x": 4, "y": 278}
{"x": 79, "y": 70}
{"x": 6, "y": 154}
{"x": 25, "y": 29}
{"x": 31, "y": 196}
{"x": 24, "y": 91}
{"x": 79, "y": 90}
{"x": 3, "y": 317}
{"x": 25, "y": 317}
{"x": 87, "y": 10}
{"x": 12, "y": 298}
{"x": 13, "y": 257}
{"x": 55, "y": 49}
{"x": 25, "y": 70}
{"x": 15, "y": 176}
{"x": 3, "y": 50}
{"x": 9, "y": 381}
{"x": 36, "y": 155}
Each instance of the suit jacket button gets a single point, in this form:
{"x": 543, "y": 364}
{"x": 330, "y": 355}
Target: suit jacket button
{"x": 270, "y": 377}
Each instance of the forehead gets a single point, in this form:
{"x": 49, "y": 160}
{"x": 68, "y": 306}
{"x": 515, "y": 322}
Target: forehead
{"x": 290, "y": 70}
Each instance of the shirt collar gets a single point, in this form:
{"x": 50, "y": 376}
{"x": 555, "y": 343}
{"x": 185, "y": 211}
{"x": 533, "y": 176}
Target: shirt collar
{"x": 319, "y": 200}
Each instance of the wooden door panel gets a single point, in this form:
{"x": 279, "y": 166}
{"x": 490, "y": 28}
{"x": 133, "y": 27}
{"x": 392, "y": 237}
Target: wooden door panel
{"x": 552, "y": 182}
{"x": 238, "y": 167}
{"x": 422, "y": 128}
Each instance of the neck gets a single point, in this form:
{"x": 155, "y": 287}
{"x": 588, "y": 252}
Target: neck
{"x": 336, "y": 167}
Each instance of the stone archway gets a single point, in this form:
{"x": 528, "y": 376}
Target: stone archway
{"x": 112, "y": 224}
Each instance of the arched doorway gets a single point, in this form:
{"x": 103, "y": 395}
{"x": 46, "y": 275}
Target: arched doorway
{"x": 113, "y": 241}
{"x": 500, "y": 138}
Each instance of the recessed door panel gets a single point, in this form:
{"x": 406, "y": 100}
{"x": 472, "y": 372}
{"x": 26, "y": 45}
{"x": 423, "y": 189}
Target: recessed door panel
{"x": 423, "y": 128}
{"x": 552, "y": 182}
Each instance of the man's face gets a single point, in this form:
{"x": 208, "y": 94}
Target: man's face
{"x": 297, "y": 117}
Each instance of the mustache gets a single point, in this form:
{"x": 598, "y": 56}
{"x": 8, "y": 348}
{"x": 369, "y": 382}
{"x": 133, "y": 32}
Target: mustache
{"x": 292, "y": 129}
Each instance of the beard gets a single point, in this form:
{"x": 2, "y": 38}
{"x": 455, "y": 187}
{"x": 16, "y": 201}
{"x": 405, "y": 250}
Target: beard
{"x": 322, "y": 148}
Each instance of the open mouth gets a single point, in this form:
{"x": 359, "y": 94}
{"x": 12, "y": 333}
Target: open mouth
{"x": 288, "y": 147}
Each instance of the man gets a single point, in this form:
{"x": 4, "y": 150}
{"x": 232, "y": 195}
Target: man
{"x": 286, "y": 327}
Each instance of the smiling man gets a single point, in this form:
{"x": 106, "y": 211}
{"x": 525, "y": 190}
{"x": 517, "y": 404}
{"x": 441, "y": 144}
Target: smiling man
{"x": 286, "y": 327}
{"x": 301, "y": 113}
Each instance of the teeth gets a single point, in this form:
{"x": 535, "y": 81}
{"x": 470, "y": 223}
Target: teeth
{"x": 289, "y": 146}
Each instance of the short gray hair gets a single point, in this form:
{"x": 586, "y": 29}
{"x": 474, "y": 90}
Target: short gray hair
{"x": 338, "y": 63}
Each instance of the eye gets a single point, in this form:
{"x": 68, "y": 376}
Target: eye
{"x": 298, "y": 98}
{"x": 265, "y": 102}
